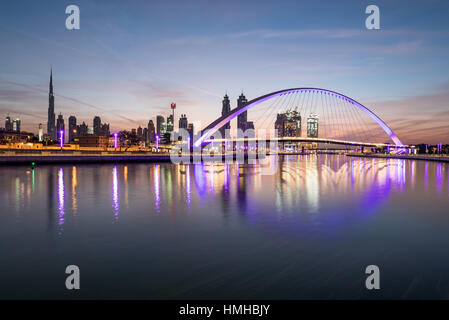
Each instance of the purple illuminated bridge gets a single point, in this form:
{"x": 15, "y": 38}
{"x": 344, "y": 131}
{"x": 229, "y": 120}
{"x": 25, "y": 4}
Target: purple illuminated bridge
{"x": 329, "y": 100}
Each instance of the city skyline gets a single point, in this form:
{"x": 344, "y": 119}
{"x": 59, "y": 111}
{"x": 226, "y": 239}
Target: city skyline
{"x": 128, "y": 71}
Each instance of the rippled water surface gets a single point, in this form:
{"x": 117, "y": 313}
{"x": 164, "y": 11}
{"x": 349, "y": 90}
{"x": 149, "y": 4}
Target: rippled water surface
{"x": 165, "y": 231}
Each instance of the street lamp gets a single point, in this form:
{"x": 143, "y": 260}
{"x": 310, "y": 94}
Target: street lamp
{"x": 157, "y": 143}
{"x": 61, "y": 139}
{"x": 115, "y": 141}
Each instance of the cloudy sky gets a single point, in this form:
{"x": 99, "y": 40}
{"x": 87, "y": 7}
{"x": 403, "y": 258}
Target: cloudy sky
{"x": 130, "y": 59}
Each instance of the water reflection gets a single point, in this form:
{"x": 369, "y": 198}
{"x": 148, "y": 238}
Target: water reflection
{"x": 302, "y": 184}
{"x": 61, "y": 197}
{"x": 74, "y": 184}
{"x": 157, "y": 191}
{"x": 115, "y": 193}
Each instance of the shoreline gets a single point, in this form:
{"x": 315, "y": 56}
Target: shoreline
{"x": 403, "y": 157}
{"x": 123, "y": 157}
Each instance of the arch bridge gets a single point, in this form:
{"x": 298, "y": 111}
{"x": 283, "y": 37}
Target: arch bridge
{"x": 338, "y": 112}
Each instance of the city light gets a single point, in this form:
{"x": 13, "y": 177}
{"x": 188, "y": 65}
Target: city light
{"x": 115, "y": 140}
{"x": 61, "y": 137}
{"x": 157, "y": 143}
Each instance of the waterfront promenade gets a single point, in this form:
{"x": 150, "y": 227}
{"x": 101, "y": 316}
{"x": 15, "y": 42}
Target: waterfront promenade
{"x": 41, "y": 157}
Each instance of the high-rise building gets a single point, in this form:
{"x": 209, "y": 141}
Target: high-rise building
{"x": 72, "y": 128}
{"x": 16, "y": 125}
{"x": 183, "y": 122}
{"x": 51, "y": 128}
{"x": 151, "y": 131}
{"x": 312, "y": 126}
{"x": 97, "y": 126}
{"x": 190, "y": 130}
{"x": 160, "y": 125}
{"x": 225, "y": 110}
{"x": 170, "y": 124}
{"x": 41, "y": 133}
{"x": 8, "y": 124}
{"x": 60, "y": 126}
{"x": 288, "y": 124}
{"x": 145, "y": 135}
{"x": 140, "y": 133}
{"x": 242, "y": 118}
{"x": 82, "y": 130}
{"x": 105, "y": 132}
{"x": 173, "y": 107}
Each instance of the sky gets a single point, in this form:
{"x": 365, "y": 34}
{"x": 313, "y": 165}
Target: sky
{"x": 130, "y": 59}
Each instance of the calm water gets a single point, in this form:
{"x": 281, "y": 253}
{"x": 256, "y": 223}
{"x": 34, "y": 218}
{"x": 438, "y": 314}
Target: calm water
{"x": 164, "y": 231}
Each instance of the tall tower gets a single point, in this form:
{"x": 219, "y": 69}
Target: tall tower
{"x": 225, "y": 110}
{"x": 173, "y": 107}
{"x": 242, "y": 118}
{"x": 51, "y": 128}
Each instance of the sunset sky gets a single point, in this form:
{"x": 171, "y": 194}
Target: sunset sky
{"x": 131, "y": 59}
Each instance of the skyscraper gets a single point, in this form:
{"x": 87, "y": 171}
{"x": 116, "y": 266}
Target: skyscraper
{"x": 170, "y": 123}
{"x": 190, "y": 129}
{"x": 16, "y": 125}
{"x": 160, "y": 125}
{"x": 312, "y": 126}
{"x": 51, "y": 129}
{"x": 225, "y": 110}
{"x": 183, "y": 122}
{"x": 72, "y": 128}
{"x": 97, "y": 125}
{"x": 60, "y": 125}
{"x": 82, "y": 130}
{"x": 140, "y": 133}
{"x": 8, "y": 124}
{"x": 288, "y": 124}
{"x": 242, "y": 118}
{"x": 151, "y": 131}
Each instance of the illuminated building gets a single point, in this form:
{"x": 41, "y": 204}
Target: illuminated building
{"x": 16, "y": 125}
{"x": 41, "y": 133}
{"x": 93, "y": 141}
{"x": 8, "y": 124}
{"x": 288, "y": 124}
{"x": 312, "y": 126}
{"x": 160, "y": 125}
{"x": 170, "y": 124}
{"x": 173, "y": 107}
